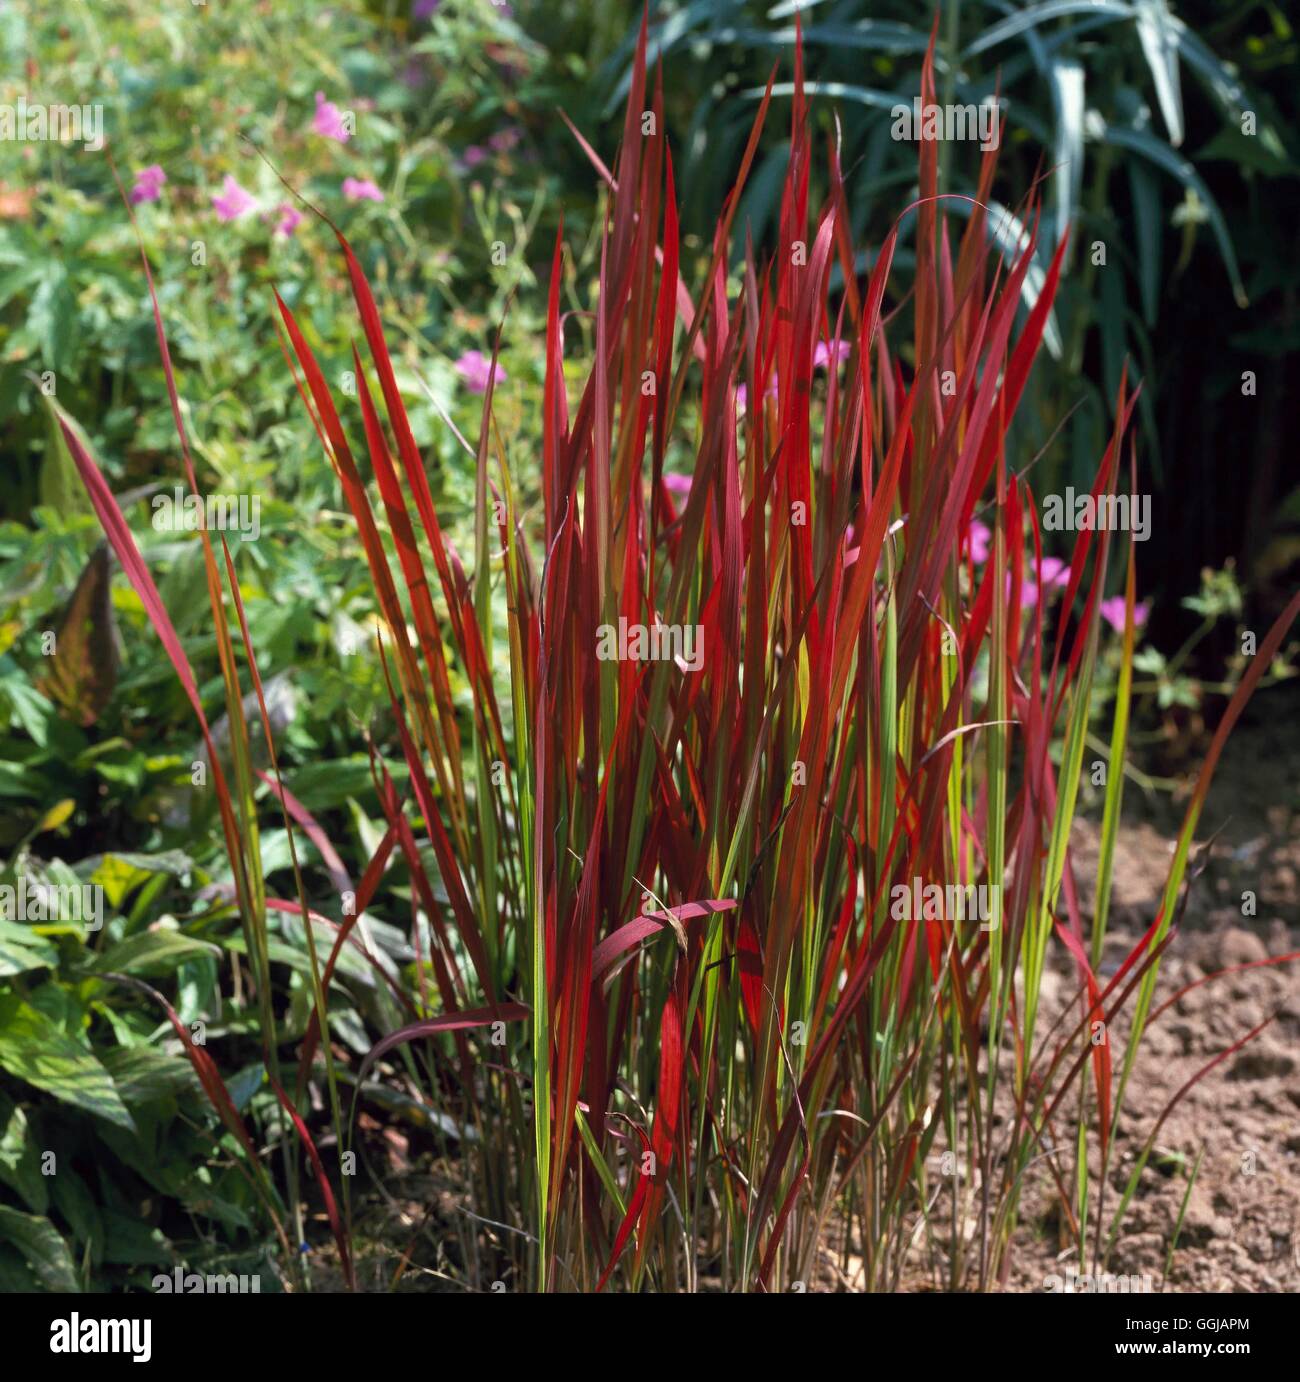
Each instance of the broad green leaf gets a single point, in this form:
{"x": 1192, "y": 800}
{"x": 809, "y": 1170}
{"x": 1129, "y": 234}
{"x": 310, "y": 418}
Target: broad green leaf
{"x": 26, "y": 705}
{"x": 21, "y": 949}
{"x": 129, "y": 1242}
{"x": 77, "y": 1205}
{"x": 245, "y": 1083}
{"x": 120, "y": 874}
{"x": 42, "y": 1248}
{"x": 34, "y": 1049}
{"x": 144, "y": 1073}
{"x": 152, "y": 952}
{"x": 20, "y": 1164}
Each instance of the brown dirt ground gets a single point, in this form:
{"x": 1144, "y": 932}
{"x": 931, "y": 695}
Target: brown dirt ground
{"x": 1242, "y": 1227}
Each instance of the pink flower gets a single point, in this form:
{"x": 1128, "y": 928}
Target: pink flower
{"x": 290, "y": 216}
{"x": 361, "y": 190}
{"x": 742, "y": 395}
{"x": 148, "y": 184}
{"x": 1112, "y": 611}
{"x": 822, "y": 354}
{"x": 422, "y": 9}
{"x": 679, "y": 486}
{"x": 473, "y": 156}
{"x": 504, "y": 140}
{"x": 1054, "y": 571}
{"x": 232, "y": 201}
{"x": 475, "y": 369}
{"x": 328, "y": 120}
{"x": 1053, "y": 574}
{"x": 1028, "y": 590}
{"x": 981, "y": 541}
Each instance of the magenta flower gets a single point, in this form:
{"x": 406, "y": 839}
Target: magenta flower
{"x": 422, "y": 9}
{"x": 1112, "y": 611}
{"x": 475, "y": 369}
{"x": 504, "y": 140}
{"x": 473, "y": 156}
{"x": 361, "y": 190}
{"x": 742, "y": 395}
{"x": 328, "y": 120}
{"x": 981, "y": 541}
{"x": 822, "y": 354}
{"x": 148, "y": 184}
{"x": 1054, "y": 571}
{"x": 1028, "y": 590}
{"x": 290, "y": 216}
{"x": 679, "y": 486}
{"x": 232, "y": 201}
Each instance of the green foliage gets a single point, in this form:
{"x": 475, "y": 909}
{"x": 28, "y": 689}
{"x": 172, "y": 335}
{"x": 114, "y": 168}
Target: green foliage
{"x": 1102, "y": 98}
{"x": 99, "y": 1112}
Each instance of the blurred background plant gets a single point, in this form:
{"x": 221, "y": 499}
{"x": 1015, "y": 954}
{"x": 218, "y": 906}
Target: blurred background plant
{"x": 409, "y": 130}
{"x": 1168, "y": 135}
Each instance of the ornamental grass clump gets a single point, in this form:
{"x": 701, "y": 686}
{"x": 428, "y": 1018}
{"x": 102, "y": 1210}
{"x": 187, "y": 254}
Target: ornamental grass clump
{"x": 739, "y": 788}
